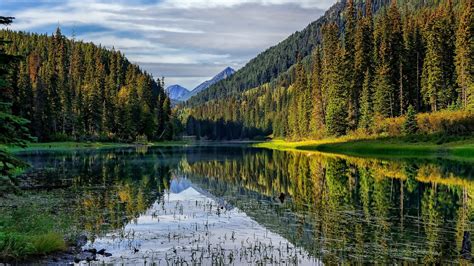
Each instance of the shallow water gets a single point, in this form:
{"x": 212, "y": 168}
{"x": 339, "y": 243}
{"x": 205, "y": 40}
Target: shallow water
{"x": 238, "y": 205}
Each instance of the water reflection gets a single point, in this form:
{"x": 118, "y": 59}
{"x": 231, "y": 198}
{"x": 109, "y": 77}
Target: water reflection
{"x": 336, "y": 208}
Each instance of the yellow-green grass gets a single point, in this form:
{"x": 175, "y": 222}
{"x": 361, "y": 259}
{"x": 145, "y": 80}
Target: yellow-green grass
{"x": 385, "y": 147}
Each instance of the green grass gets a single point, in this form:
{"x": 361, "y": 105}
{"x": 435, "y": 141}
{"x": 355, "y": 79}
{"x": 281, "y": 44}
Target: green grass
{"x": 403, "y": 147}
{"x": 29, "y": 231}
{"x": 70, "y": 145}
{"x": 62, "y": 146}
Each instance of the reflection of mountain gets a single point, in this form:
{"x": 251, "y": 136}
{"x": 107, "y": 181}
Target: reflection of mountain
{"x": 179, "y": 184}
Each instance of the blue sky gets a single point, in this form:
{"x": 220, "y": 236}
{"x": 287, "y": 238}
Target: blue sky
{"x": 186, "y": 41}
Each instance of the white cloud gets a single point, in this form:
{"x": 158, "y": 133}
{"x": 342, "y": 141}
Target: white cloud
{"x": 183, "y": 39}
{"x": 232, "y": 3}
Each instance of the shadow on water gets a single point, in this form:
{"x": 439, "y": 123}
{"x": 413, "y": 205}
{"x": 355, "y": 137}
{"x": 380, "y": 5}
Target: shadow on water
{"x": 336, "y": 208}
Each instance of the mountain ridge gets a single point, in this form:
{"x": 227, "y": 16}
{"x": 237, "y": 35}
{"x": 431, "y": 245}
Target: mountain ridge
{"x": 179, "y": 93}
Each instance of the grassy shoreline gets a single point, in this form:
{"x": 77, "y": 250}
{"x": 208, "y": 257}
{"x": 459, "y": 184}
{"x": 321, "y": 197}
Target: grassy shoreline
{"x": 71, "y": 145}
{"x": 382, "y": 147}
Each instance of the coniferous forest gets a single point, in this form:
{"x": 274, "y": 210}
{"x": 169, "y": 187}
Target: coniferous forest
{"x": 369, "y": 109}
{"x": 72, "y": 90}
{"x": 369, "y": 66}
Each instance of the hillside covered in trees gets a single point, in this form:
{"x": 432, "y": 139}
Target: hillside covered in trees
{"x": 361, "y": 72}
{"x": 71, "y": 90}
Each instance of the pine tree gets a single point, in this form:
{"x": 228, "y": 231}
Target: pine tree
{"x": 366, "y": 105}
{"x": 319, "y": 97}
{"x": 13, "y": 129}
{"x": 303, "y": 101}
{"x": 410, "y": 125}
{"x": 465, "y": 55}
{"x": 337, "y": 90}
{"x": 349, "y": 68}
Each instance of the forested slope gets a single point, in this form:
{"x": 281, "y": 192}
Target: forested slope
{"x": 74, "y": 90}
{"x": 365, "y": 72}
{"x": 279, "y": 58}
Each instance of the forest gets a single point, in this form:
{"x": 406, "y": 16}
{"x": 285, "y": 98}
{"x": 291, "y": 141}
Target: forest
{"x": 72, "y": 90}
{"x": 367, "y": 72}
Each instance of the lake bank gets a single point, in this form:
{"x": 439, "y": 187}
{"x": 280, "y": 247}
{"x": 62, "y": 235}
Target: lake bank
{"x": 71, "y": 145}
{"x": 381, "y": 147}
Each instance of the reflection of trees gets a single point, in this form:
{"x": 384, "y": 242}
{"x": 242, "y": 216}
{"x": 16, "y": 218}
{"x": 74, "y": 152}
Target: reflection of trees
{"x": 344, "y": 208}
{"x": 108, "y": 188}
{"x": 339, "y": 208}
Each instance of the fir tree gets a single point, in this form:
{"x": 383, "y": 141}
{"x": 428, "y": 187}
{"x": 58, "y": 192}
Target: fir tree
{"x": 366, "y": 105}
{"x": 410, "y": 126}
{"x": 465, "y": 55}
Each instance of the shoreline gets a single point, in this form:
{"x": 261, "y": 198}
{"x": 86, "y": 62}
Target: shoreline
{"x": 396, "y": 148}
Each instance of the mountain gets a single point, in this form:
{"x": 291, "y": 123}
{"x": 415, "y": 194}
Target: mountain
{"x": 177, "y": 92}
{"x": 224, "y": 74}
{"x": 278, "y": 59}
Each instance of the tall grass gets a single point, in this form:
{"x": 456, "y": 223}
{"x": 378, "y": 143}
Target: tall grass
{"x": 26, "y": 232}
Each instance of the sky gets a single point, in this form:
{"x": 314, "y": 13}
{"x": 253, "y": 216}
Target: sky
{"x": 185, "y": 41}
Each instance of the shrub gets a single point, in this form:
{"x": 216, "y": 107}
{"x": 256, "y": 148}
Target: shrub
{"x": 447, "y": 122}
{"x": 410, "y": 126}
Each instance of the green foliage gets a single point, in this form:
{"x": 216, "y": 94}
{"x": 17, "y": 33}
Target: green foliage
{"x": 13, "y": 129}
{"x": 465, "y": 55}
{"x": 365, "y": 69}
{"x": 81, "y": 90}
{"x": 410, "y": 125}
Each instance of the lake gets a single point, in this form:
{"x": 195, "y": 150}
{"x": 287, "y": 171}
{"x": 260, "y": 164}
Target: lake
{"x": 240, "y": 205}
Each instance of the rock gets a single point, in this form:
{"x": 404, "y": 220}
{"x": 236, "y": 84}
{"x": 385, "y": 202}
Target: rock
{"x": 101, "y": 252}
{"x": 81, "y": 241}
{"x": 107, "y": 254}
{"x": 282, "y": 197}
{"x": 91, "y": 250}
{"x": 77, "y": 260}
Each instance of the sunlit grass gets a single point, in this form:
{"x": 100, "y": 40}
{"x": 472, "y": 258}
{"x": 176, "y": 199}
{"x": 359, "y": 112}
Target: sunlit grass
{"x": 385, "y": 147}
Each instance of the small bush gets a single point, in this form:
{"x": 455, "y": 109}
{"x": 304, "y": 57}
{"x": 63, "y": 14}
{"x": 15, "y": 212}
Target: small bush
{"x": 446, "y": 122}
{"x": 410, "y": 126}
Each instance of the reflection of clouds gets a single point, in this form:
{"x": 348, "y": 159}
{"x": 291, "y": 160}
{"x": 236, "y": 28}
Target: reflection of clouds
{"x": 194, "y": 33}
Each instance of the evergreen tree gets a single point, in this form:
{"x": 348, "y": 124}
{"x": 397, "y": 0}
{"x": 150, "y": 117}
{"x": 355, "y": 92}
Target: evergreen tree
{"x": 319, "y": 97}
{"x": 410, "y": 126}
{"x": 349, "y": 68}
{"x": 438, "y": 67}
{"x": 336, "y": 113}
{"x": 465, "y": 55}
{"x": 366, "y": 105}
{"x": 13, "y": 129}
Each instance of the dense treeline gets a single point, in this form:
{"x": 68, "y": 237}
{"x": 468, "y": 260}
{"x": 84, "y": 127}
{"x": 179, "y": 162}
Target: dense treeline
{"x": 74, "y": 90}
{"x": 372, "y": 68}
{"x": 276, "y": 60}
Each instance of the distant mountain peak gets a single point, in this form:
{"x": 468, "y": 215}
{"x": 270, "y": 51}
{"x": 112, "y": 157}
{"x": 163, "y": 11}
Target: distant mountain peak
{"x": 227, "y": 72}
{"x": 177, "y": 92}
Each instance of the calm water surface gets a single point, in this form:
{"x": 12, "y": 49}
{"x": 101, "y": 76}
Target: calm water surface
{"x": 237, "y": 205}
